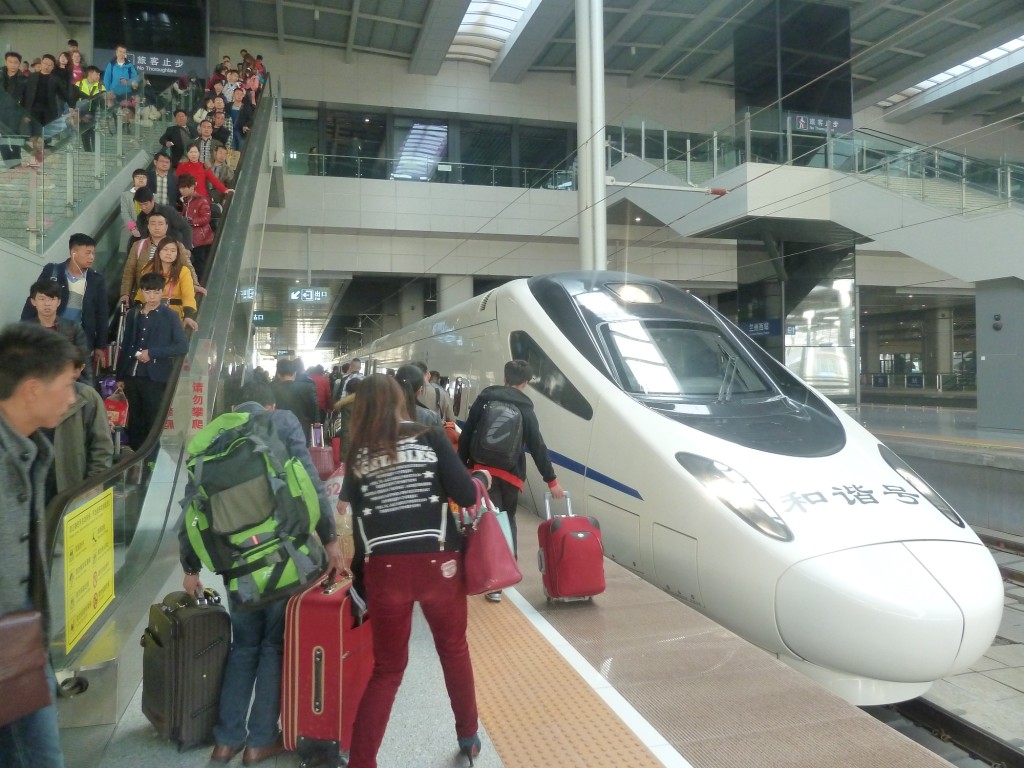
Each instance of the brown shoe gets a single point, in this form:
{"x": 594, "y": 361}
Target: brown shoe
{"x": 222, "y": 754}
{"x": 254, "y": 755}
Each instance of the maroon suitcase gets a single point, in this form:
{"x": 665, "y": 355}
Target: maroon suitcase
{"x": 323, "y": 460}
{"x": 571, "y": 555}
{"x": 328, "y": 659}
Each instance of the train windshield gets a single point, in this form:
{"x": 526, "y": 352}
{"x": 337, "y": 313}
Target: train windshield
{"x": 689, "y": 360}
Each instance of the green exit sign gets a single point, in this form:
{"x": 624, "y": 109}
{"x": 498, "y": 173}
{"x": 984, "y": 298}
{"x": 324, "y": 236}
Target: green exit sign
{"x": 266, "y": 318}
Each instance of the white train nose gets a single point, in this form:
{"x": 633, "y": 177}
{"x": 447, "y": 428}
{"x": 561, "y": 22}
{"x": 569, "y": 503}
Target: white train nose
{"x": 904, "y": 611}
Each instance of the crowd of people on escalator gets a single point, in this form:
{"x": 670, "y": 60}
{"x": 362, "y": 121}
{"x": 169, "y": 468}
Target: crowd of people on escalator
{"x": 55, "y": 433}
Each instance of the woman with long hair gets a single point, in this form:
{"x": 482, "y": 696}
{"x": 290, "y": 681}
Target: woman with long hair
{"x": 408, "y": 549}
{"x": 412, "y": 381}
{"x": 179, "y": 289}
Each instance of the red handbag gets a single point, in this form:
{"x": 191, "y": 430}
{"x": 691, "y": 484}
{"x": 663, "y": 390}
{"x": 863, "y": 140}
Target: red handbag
{"x": 487, "y": 560}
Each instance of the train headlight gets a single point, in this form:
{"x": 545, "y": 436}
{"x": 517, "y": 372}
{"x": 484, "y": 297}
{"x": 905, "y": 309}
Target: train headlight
{"x": 733, "y": 490}
{"x": 904, "y": 471}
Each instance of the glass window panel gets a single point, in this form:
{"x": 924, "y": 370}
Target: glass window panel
{"x": 420, "y": 144}
{"x": 486, "y": 154}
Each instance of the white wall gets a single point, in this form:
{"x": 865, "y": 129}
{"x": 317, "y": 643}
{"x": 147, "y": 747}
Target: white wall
{"x": 316, "y": 73}
{"x": 35, "y": 39}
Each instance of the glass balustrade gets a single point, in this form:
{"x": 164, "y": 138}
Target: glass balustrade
{"x": 47, "y": 176}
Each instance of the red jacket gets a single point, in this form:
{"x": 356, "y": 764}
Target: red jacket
{"x": 203, "y": 175}
{"x": 196, "y": 210}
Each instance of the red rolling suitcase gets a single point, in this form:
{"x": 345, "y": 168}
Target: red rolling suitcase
{"x": 323, "y": 457}
{"x": 571, "y": 556}
{"x": 328, "y": 659}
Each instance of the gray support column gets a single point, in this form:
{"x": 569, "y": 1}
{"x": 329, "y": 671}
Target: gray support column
{"x": 410, "y": 303}
{"x": 584, "y": 157}
{"x": 597, "y": 121}
{"x": 452, "y": 290}
{"x": 939, "y": 342}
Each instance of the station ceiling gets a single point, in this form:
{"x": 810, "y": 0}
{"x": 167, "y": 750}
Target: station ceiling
{"x": 896, "y": 45}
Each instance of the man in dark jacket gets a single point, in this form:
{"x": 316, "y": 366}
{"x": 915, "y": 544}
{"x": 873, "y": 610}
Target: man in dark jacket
{"x": 506, "y": 484}
{"x": 46, "y": 94}
{"x": 83, "y": 297}
{"x": 177, "y": 137}
{"x": 161, "y": 181}
{"x": 177, "y": 227}
{"x": 299, "y": 397}
{"x": 12, "y": 83}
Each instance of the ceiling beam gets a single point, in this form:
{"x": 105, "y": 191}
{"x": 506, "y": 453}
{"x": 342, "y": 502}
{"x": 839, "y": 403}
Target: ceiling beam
{"x": 625, "y": 24}
{"x": 353, "y": 24}
{"x": 539, "y": 23}
{"x": 687, "y": 32}
{"x": 55, "y": 12}
{"x": 441, "y": 23}
{"x": 959, "y": 90}
{"x": 970, "y": 45}
{"x": 279, "y": 12}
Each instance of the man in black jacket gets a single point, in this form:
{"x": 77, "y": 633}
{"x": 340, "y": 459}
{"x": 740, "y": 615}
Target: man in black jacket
{"x": 177, "y": 227}
{"x": 177, "y": 137}
{"x": 161, "y": 181}
{"x": 506, "y": 483}
{"x": 12, "y": 87}
{"x": 83, "y": 297}
{"x": 45, "y": 95}
{"x": 299, "y": 397}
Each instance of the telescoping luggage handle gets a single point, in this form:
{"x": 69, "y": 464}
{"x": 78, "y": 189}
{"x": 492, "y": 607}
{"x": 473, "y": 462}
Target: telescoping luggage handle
{"x": 547, "y": 505}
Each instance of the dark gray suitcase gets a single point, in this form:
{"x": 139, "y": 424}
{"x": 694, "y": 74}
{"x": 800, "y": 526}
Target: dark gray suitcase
{"x": 184, "y": 650}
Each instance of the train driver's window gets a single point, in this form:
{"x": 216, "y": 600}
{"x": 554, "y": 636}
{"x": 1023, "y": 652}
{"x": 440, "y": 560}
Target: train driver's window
{"x": 548, "y": 379}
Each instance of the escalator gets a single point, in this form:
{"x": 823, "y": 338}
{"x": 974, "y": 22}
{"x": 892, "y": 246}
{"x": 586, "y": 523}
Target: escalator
{"x": 115, "y": 542}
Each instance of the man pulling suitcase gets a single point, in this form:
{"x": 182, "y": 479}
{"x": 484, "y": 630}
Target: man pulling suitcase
{"x": 500, "y": 424}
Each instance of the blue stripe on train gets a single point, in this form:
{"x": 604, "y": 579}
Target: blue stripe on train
{"x": 588, "y": 472}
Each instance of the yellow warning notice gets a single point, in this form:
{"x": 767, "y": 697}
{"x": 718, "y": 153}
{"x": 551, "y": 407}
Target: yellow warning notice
{"x": 88, "y": 565}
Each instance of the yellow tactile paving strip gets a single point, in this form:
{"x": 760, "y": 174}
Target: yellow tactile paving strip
{"x": 536, "y": 708}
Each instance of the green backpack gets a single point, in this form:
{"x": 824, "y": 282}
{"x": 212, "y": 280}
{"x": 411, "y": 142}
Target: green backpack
{"x": 252, "y": 511}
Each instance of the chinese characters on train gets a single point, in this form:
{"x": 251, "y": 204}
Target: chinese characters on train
{"x": 851, "y": 494}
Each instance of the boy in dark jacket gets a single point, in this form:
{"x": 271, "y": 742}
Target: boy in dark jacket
{"x": 153, "y": 337}
{"x": 506, "y": 485}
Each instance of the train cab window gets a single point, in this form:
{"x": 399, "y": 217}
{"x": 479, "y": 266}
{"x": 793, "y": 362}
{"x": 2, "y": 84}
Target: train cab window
{"x": 673, "y": 358}
{"x": 548, "y": 379}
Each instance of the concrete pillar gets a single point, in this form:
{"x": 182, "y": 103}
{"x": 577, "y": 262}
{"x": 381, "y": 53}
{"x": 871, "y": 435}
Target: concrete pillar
{"x": 452, "y": 290}
{"x": 938, "y": 338}
{"x": 410, "y": 303}
{"x": 584, "y": 157}
{"x": 870, "y": 351}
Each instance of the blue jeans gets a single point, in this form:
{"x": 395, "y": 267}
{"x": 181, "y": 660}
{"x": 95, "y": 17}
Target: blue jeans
{"x": 34, "y": 740}
{"x": 257, "y": 644}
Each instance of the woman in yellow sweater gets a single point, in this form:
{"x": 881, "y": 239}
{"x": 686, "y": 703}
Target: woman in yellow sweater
{"x": 179, "y": 289}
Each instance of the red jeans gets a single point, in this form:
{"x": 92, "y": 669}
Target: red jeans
{"x": 393, "y": 584}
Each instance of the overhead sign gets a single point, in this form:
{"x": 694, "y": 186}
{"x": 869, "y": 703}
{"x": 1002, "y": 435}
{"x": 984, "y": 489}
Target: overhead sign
{"x": 309, "y": 295}
{"x": 150, "y": 63}
{"x": 267, "y": 318}
{"x": 88, "y": 565}
{"x": 247, "y": 293}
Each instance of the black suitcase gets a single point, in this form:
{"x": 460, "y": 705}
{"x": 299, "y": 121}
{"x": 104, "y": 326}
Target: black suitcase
{"x": 184, "y": 651}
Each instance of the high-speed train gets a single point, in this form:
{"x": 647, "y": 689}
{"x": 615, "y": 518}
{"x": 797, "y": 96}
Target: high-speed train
{"x": 720, "y": 477}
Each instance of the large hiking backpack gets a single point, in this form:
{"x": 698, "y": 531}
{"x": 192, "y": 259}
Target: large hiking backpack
{"x": 253, "y": 510}
{"x": 498, "y": 438}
